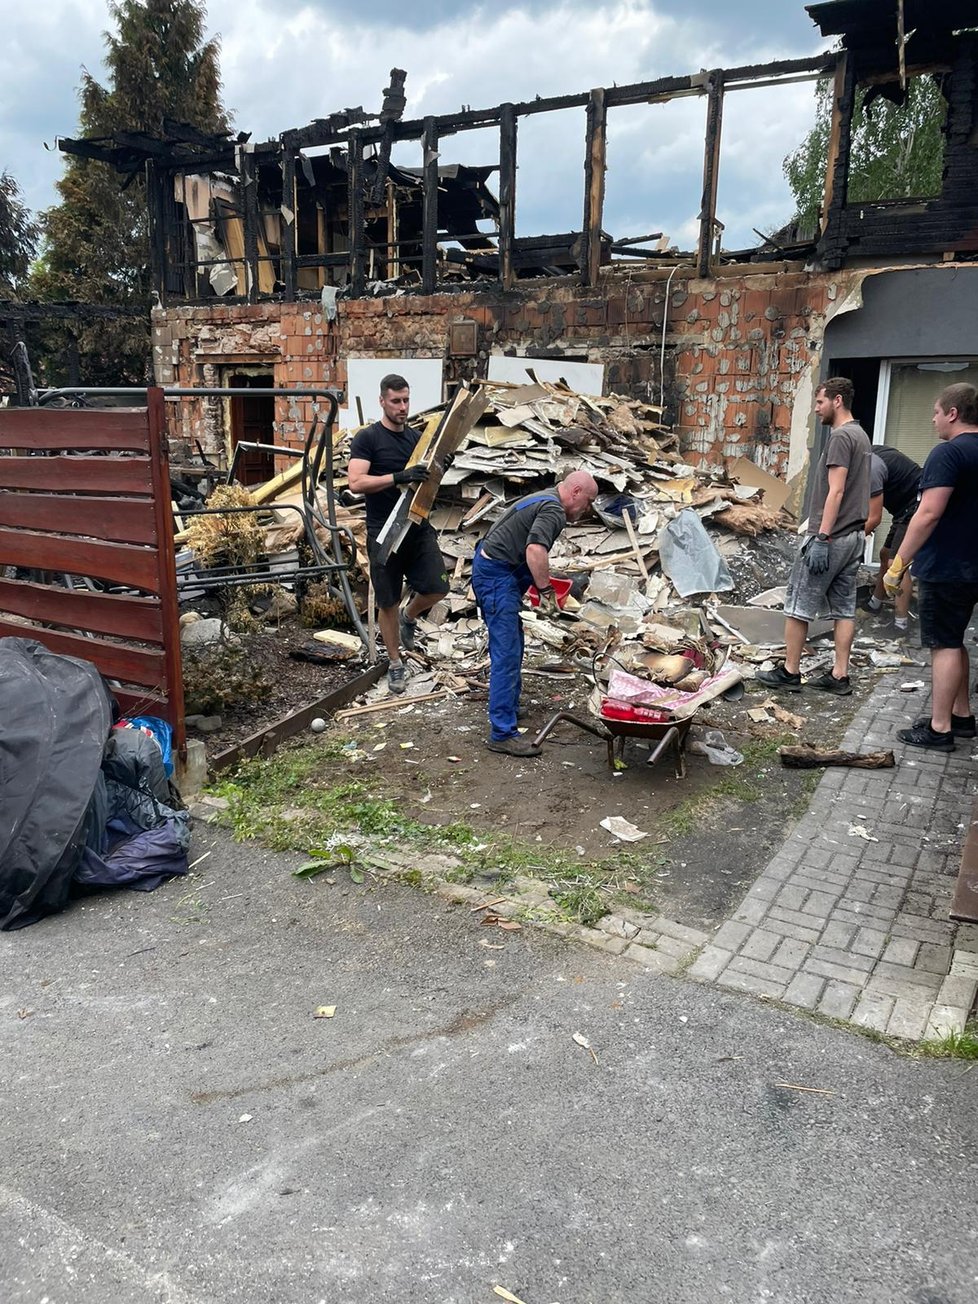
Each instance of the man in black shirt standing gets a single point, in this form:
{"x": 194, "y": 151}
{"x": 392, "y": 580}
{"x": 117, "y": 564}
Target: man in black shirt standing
{"x": 894, "y": 484}
{"x": 378, "y": 467}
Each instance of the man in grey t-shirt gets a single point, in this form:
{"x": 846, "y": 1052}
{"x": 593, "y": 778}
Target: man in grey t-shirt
{"x": 824, "y": 573}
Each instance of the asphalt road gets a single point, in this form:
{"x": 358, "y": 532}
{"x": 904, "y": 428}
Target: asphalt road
{"x": 176, "y": 1126}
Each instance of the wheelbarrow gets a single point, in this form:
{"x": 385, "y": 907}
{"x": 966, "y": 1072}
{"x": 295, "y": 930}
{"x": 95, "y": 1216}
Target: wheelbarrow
{"x": 616, "y": 723}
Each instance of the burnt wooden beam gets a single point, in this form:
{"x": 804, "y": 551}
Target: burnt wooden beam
{"x": 840, "y": 142}
{"x": 249, "y": 212}
{"x": 157, "y": 228}
{"x": 507, "y": 193}
{"x": 429, "y": 229}
{"x": 663, "y": 88}
{"x": 711, "y": 171}
{"x": 288, "y": 227}
{"x": 595, "y": 163}
{"x": 357, "y": 233}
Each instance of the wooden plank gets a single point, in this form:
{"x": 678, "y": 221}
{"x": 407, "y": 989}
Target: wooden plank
{"x": 595, "y": 164}
{"x": 81, "y": 609}
{"x": 711, "y": 171}
{"x": 429, "y": 230}
{"x": 117, "y": 563}
{"x": 120, "y": 520}
{"x": 122, "y": 475}
{"x": 134, "y": 665}
{"x": 356, "y": 221}
{"x": 265, "y": 741}
{"x": 133, "y": 702}
{"x": 167, "y": 568}
{"x": 249, "y": 215}
{"x": 70, "y": 428}
{"x": 507, "y": 193}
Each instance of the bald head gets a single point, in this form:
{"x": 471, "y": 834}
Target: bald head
{"x": 577, "y": 492}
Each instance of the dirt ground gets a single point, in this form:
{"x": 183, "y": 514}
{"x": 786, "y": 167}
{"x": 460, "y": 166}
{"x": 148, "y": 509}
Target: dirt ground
{"x": 709, "y": 833}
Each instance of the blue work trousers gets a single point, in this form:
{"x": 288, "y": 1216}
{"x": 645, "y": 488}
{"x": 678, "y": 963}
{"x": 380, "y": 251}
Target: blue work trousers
{"x": 499, "y": 590}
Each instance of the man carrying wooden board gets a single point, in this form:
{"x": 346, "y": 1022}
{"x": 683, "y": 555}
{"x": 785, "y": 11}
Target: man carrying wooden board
{"x": 378, "y": 467}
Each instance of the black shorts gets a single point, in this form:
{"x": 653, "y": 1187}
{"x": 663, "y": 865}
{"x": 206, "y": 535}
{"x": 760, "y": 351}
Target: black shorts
{"x": 945, "y": 611}
{"x": 895, "y": 537}
{"x": 418, "y": 560}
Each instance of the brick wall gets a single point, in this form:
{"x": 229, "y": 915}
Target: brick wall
{"x": 741, "y": 350}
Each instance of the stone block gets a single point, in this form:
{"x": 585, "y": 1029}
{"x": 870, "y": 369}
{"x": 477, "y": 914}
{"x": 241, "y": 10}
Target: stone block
{"x": 873, "y": 1010}
{"x": 909, "y": 1019}
{"x": 838, "y": 999}
{"x": 709, "y": 964}
{"x": 804, "y": 990}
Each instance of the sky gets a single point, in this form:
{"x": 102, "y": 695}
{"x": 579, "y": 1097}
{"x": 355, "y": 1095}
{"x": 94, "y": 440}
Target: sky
{"x": 284, "y": 63}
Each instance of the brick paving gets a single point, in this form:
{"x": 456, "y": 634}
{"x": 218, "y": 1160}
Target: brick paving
{"x": 850, "y": 918}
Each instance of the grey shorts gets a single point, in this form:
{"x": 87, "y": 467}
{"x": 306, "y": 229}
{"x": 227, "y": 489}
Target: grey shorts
{"x": 833, "y": 593}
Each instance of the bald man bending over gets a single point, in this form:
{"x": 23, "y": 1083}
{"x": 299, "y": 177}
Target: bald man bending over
{"x": 513, "y": 555}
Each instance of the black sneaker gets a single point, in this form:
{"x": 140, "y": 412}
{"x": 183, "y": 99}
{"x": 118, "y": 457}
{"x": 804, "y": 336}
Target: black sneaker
{"x": 408, "y": 630}
{"x": 962, "y": 726}
{"x": 922, "y": 735}
{"x": 779, "y": 677}
{"x": 828, "y": 683}
{"x": 397, "y": 677}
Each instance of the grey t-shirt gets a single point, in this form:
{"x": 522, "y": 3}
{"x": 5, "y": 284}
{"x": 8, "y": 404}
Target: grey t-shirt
{"x": 536, "y": 518}
{"x": 848, "y": 445}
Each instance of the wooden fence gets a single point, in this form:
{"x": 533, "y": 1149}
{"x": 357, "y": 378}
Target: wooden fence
{"x": 85, "y": 511}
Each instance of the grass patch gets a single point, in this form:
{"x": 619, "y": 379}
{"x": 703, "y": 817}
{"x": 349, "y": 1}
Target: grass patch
{"x": 954, "y": 1045}
{"x": 293, "y": 802}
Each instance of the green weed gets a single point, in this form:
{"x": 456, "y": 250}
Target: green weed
{"x": 954, "y": 1045}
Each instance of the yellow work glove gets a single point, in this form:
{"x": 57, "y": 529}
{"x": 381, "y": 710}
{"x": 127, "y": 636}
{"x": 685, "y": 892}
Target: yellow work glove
{"x": 894, "y": 576}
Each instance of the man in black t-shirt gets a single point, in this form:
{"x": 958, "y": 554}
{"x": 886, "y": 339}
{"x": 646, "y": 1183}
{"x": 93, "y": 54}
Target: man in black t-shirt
{"x": 378, "y": 467}
{"x": 942, "y": 543}
{"x": 894, "y": 483}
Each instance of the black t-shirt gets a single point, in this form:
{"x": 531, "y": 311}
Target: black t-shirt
{"x": 387, "y": 451}
{"x": 899, "y": 481}
{"x": 536, "y": 518}
{"x": 951, "y": 552}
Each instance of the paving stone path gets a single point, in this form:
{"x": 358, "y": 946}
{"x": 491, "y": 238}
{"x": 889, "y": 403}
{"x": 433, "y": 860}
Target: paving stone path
{"x": 850, "y": 918}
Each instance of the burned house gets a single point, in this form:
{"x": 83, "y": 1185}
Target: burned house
{"x": 287, "y": 262}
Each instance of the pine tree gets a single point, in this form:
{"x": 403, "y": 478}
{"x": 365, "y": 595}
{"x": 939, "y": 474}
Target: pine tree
{"x": 897, "y": 152}
{"x": 96, "y": 240}
{"x": 18, "y": 235}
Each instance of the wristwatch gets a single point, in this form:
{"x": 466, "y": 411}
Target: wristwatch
{"x": 823, "y": 538}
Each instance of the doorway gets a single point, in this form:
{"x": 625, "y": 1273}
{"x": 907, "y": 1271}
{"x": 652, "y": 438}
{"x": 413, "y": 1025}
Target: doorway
{"x": 252, "y": 421}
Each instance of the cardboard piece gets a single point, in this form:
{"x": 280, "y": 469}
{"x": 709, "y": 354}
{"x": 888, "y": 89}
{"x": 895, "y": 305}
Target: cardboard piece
{"x": 743, "y": 470}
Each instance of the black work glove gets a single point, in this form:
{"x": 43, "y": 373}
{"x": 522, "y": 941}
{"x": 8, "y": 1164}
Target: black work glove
{"x": 412, "y": 474}
{"x": 817, "y": 556}
{"x": 447, "y": 461}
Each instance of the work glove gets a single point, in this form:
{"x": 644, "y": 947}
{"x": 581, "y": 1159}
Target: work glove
{"x": 548, "y": 601}
{"x": 416, "y": 474}
{"x": 894, "y": 577}
{"x": 817, "y": 556}
{"x": 446, "y": 461}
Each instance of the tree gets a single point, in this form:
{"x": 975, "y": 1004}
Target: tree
{"x": 897, "y": 152}
{"x": 18, "y": 235}
{"x": 96, "y": 240}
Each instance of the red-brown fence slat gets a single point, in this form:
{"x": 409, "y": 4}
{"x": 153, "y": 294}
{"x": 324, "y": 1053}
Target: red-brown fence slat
{"x": 167, "y": 562}
{"x": 117, "y": 563}
{"x": 120, "y": 520}
{"x": 100, "y": 613}
{"x": 100, "y": 475}
{"x": 134, "y": 665}
{"x": 115, "y": 428}
{"x": 133, "y": 702}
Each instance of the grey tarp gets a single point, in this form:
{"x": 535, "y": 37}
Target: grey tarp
{"x": 55, "y": 715}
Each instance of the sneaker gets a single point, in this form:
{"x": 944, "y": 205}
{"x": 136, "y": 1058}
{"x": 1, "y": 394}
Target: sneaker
{"x": 830, "y": 684}
{"x": 408, "y": 630}
{"x": 922, "y": 735}
{"x": 522, "y": 712}
{"x": 515, "y": 746}
{"x": 962, "y": 726}
{"x": 779, "y": 678}
{"x": 397, "y": 677}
